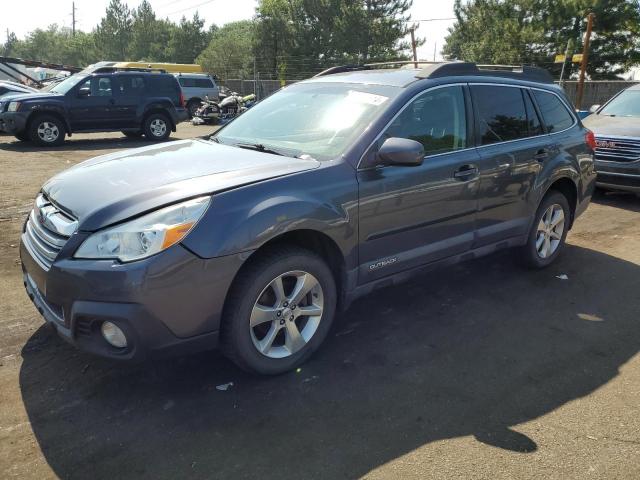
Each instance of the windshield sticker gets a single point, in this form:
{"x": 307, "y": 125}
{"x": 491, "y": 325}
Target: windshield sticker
{"x": 367, "y": 98}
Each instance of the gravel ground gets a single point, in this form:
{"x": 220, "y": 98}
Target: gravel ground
{"x": 483, "y": 370}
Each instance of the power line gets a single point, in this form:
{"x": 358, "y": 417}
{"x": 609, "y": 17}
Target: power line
{"x": 190, "y": 8}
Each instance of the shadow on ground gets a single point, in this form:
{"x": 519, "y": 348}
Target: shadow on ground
{"x": 73, "y": 144}
{"x": 473, "y": 350}
{"x": 618, "y": 199}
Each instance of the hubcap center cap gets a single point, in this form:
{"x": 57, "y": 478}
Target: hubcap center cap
{"x": 286, "y": 313}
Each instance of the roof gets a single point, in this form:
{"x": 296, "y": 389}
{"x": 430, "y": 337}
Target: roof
{"x": 405, "y": 76}
{"x": 393, "y": 77}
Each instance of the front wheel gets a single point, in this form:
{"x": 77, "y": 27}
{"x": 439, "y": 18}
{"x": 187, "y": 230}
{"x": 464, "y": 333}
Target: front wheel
{"x": 548, "y": 232}
{"x": 47, "y": 131}
{"x": 279, "y": 311}
{"x": 157, "y": 127}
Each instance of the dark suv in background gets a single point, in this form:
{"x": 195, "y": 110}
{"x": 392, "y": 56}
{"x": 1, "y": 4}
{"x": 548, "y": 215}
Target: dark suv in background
{"x": 332, "y": 188}
{"x": 134, "y": 102}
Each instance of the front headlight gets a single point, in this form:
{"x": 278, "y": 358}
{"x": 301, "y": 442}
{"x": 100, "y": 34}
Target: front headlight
{"x": 145, "y": 236}
{"x": 13, "y": 106}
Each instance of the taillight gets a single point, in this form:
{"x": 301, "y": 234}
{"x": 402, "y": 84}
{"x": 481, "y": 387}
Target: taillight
{"x": 590, "y": 139}
{"x": 181, "y": 99}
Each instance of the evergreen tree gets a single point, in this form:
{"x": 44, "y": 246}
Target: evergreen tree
{"x": 113, "y": 34}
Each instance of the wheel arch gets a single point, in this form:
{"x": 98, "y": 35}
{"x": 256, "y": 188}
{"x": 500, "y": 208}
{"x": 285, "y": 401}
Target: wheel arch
{"x": 50, "y": 112}
{"x": 162, "y": 111}
{"x": 316, "y": 242}
{"x": 569, "y": 189}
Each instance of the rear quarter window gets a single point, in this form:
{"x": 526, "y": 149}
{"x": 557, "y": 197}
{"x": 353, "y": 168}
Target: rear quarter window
{"x": 163, "y": 86}
{"x": 204, "y": 83}
{"x": 555, "y": 114}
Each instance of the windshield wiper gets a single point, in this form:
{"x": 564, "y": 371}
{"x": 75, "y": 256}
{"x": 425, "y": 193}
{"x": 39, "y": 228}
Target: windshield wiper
{"x": 259, "y": 147}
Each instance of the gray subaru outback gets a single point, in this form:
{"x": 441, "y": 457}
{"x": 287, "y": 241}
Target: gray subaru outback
{"x": 336, "y": 186}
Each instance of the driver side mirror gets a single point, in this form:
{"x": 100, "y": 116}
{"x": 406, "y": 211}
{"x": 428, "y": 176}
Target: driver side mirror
{"x": 84, "y": 92}
{"x": 594, "y": 108}
{"x": 404, "y": 152}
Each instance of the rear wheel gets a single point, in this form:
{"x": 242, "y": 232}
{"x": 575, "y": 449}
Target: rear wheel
{"x": 157, "y": 127}
{"x": 46, "y": 130}
{"x": 192, "y": 107}
{"x": 548, "y": 232}
{"x": 279, "y": 311}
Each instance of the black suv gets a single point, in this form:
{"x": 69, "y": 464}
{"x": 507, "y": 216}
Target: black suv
{"x": 327, "y": 190}
{"x": 135, "y": 102}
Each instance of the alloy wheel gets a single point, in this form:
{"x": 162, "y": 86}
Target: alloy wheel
{"x": 286, "y": 314}
{"x": 48, "y": 132}
{"x": 550, "y": 230}
{"x": 158, "y": 127}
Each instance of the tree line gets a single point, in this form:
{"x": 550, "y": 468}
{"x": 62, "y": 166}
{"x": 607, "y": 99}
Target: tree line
{"x": 533, "y": 31}
{"x": 285, "y": 39}
{"x": 293, "y": 39}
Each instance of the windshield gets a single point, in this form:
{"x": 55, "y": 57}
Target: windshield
{"x": 65, "y": 85}
{"x": 627, "y": 104}
{"x": 316, "y": 119}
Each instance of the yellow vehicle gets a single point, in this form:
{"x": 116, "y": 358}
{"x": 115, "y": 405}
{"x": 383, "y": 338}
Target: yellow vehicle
{"x": 169, "y": 67}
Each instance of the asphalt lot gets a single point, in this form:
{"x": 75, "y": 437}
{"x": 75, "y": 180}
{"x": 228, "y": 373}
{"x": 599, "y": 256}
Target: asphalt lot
{"x": 480, "y": 371}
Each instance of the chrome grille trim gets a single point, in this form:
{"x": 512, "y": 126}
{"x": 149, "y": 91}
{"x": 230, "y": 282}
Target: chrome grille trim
{"x": 617, "y": 149}
{"x": 47, "y": 230}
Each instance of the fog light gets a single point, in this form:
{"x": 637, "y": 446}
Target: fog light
{"x": 113, "y": 335}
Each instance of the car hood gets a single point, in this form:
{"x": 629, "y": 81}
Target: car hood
{"x": 603, "y": 125}
{"x": 21, "y": 97}
{"x": 113, "y": 187}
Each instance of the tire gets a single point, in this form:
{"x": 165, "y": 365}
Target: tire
{"x": 132, "y": 134}
{"x": 271, "y": 346}
{"x": 23, "y": 136}
{"x": 157, "y": 127}
{"x": 47, "y": 131}
{"x": 544, "y": 246}
{"x": 192, "y": 106}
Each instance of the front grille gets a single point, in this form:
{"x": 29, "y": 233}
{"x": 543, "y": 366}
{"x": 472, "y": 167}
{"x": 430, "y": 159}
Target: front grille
{"x": 617, "y": 149}
{"x": 47, "y": 231}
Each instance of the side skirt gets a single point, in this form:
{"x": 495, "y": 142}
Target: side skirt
{"x": 401, "y": 277}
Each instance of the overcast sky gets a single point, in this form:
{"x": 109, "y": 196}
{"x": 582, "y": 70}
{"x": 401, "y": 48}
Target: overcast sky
{"x": 22, "y": 16}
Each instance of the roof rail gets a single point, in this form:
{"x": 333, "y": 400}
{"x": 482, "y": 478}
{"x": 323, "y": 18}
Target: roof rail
{"x": 521, "y": 72}
{"x": 371, "y": 66}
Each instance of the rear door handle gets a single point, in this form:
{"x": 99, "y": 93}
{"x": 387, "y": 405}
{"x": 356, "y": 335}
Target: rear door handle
{"x": 466, "y": 172}
{"x": 541, "y": 155}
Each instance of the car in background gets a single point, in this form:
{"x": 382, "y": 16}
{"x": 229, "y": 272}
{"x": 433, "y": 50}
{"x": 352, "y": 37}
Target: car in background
{"x": 327, "y": 190}
{"x": 616, "y": 126}
{"x": 11, "y": 88}
{"x": 135, "y": 102}
{"x": 195, "y": 87}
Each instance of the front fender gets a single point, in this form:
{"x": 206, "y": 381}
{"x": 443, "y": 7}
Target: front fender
{"x": 244, "y": 219}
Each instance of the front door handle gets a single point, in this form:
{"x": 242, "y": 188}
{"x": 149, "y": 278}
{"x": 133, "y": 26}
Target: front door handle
{"x": 541, "y": 155}
{"x": 466, "y": 172}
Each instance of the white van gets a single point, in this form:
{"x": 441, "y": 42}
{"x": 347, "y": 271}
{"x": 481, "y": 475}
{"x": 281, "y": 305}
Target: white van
{"x": 195, "y": 86}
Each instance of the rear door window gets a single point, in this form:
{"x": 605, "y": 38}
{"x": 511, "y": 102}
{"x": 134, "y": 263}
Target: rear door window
{"x": 436, "y": 119}
{"x": 501, "y": 113}
{"x": 131, "y": 86}
{"x": 555, "y": 115}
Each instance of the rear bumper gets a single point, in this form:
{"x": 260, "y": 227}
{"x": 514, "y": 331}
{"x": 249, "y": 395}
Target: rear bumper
{"x": 170, "y": 303}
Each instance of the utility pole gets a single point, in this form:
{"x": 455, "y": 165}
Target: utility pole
{"x": 413, "y": 46}
{"x": 585, "y": 59}
{"x": 73, "y": 18}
